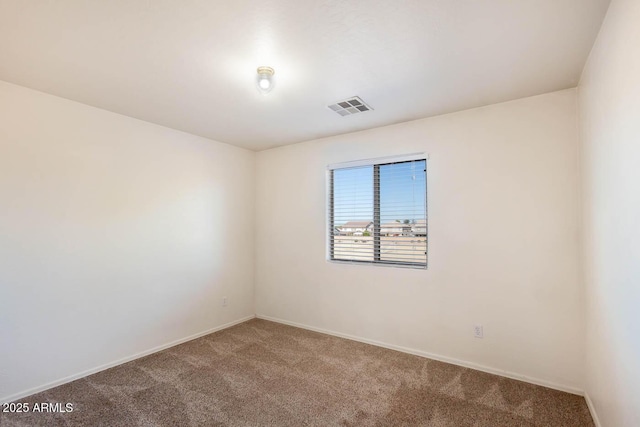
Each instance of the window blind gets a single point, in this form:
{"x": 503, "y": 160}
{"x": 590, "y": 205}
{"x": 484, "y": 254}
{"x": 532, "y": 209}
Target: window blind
{"x": 378, "y": 213}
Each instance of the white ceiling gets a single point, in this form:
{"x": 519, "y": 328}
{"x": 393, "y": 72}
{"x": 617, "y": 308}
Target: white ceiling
{"x": 190, "y": 64}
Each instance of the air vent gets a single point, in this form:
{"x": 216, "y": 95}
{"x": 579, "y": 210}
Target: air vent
{"x": 350, "y": 106}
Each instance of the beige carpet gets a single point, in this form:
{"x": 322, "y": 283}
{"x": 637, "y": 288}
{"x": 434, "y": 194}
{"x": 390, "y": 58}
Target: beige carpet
{"x": 261, "y": 373}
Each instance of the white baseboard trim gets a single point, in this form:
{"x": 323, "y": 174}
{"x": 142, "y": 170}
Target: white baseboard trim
{"x": 68, "y": 379}
{"x": 592, "y": 409}
{"x": 463, "y": 363}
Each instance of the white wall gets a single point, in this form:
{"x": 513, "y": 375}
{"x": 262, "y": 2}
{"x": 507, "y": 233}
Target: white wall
{"x": 116, "y": 236}
{"x": 609, "y": 96}
{"x": 503, "y": 241}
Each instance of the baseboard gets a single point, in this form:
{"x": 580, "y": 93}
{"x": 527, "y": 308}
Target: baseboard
{"x": 592, "y": 410}
{"x": 463, "y": 363}
{"x": 91, "y": 371}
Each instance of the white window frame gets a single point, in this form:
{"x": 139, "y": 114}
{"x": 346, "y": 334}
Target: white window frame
{"x": 329, "y": 213}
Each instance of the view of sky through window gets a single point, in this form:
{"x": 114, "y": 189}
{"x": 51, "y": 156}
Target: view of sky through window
{"x": 402, "y": 193}
{"x": 352, "y": 195}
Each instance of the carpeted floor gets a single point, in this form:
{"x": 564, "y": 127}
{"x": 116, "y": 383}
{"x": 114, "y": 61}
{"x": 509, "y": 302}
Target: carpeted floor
{"x": 261, "y": 373}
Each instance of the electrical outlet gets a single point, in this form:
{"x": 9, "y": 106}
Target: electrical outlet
{"x": 224, "y": 301}
{"x": 477, "y": 331}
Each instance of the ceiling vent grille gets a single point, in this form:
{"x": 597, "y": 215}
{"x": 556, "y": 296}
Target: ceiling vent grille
{"x": 350, "y": 106}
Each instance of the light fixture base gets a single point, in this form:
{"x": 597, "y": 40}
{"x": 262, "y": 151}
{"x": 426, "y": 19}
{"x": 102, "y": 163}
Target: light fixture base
{"x": 266, "y": 70}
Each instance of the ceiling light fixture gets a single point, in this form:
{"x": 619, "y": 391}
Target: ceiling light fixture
{"x": 265, "y": 81}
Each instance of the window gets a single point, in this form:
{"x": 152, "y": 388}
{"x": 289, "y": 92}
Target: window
{"x": 378, "y": 212}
